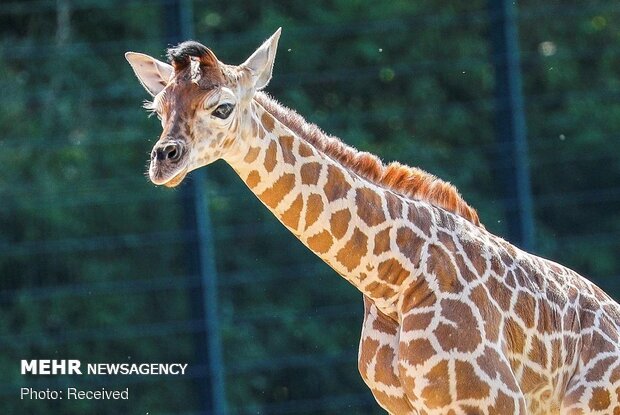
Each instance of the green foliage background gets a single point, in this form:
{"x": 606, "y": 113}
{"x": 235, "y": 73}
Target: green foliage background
{"x": 92, "y": 256}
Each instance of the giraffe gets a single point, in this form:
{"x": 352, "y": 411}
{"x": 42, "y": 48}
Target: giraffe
{"x": 456, "y": 319}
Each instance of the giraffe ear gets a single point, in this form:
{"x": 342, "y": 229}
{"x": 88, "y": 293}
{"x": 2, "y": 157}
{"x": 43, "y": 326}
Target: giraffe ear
{"x": 154, "y": 75}
{"x": 260, "y": 63}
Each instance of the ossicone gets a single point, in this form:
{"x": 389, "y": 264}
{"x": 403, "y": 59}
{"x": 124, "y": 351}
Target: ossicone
{"x": 180, "y": 55}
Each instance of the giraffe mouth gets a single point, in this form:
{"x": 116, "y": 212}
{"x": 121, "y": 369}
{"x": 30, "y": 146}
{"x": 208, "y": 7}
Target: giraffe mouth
{"x": 163, "y": 178}
{"x": 177, "y": 178}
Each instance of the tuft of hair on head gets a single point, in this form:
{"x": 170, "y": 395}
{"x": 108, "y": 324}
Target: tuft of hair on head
{"x": 180, "y": 55}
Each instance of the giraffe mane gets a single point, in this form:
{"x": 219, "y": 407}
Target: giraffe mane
{"x": 410, "y": 182}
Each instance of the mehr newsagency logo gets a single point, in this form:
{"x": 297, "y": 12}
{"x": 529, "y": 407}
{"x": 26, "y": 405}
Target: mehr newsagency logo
{"x": 52, "y": 367}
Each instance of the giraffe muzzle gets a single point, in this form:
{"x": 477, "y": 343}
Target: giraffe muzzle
{"x": 168, "y": 163}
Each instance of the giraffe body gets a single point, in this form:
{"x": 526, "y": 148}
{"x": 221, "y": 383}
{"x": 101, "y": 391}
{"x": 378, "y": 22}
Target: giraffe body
{"x": 539, "y": 332}
{"x": 457, "y": 320}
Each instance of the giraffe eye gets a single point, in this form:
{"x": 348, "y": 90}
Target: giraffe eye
{"x": 223, "y": 111}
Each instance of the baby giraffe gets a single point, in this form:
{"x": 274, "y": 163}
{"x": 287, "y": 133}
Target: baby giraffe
{"x": 457, "y": 320}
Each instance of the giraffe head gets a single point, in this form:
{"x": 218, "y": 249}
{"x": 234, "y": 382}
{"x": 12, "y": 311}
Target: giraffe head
{"x": 203, "y": 104}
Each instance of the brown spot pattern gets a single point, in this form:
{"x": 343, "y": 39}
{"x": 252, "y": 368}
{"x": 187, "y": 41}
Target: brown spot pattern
{"x": 497, "y": 266}
{"x": 385, "y": 362}
{"x": 272, "y": 196}
{"x": 417, "y": 321}
{"x": 598, "y": 370}
{"x": 291, "y": 217}
{"x": 305, "y": 150}
{"x": 573, "y": 396}
{"x": 368, "y": 350}
{"x": 492, "y": 364}
{"x": 397, "y": 404}
{"x": 437, "y": 393}
{"x": 286, "y": 144}
{"x": 350, "y": 255}
{"x": 421, "y": 217}
{"x": 417, "y": 351}
{"x": 503, "y": 405}
{"x": 514, "y": 335}
{"x": 473, "y": 250}
{"x": 252, "y": 154}
{"x": 310, "y": 173}
{"x": 525, "y": 308}
{"x": 600, "y": 399}
{"x": 531, "y": 380}
{"x": 409, "y": 244}
{"x": 538, "y": 352}
{"x": 382, "y": 241}
{"x": 499, "y": 293}
{"x": 253, "y": 179}
{"x": 392, "y": 272}
{"x": 261, "y": 133}
{"x": 379, "y": 290}
{"x": 384, "y": 324}
{"x": 546, "y": 320}
{"x": 463, "y": 335}
{"x": 381, "y": 322}
{"x": 339, "y": 222}
{"x": 468, "y": 384}
{"x": 418, "y": 294}
{"x": 336, "y": 187}
{"x": 556, "y": 354}
{"x": 440, "y": 264}
{"x": 394, "y": 205}
{"x": 228, "y": 142}
{"x": 271, "y": 157}
{"x": 267, "y": 121}
{"x": 314, "y": 207}
{"x": 321, "y": 242}
{"x": 369, "y": 207}
{"x": 447, "y": 240}
{"x": 492, "y": 317}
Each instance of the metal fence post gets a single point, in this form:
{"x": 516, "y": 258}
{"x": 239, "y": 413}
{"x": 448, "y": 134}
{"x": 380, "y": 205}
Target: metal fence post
{"x": 510, "y": 124}
{"x": 178, "y": 16}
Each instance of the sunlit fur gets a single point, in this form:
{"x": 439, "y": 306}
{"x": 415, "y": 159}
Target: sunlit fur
{"x": 408, "y": 181}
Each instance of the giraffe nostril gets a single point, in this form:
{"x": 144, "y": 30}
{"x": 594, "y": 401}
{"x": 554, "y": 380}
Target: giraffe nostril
{"x": 170, "y": 152}
{"x": 173, "y": 154}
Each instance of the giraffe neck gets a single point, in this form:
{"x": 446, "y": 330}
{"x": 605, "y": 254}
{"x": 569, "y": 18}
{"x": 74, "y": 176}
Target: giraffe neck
{"x": 349, "y": 222}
